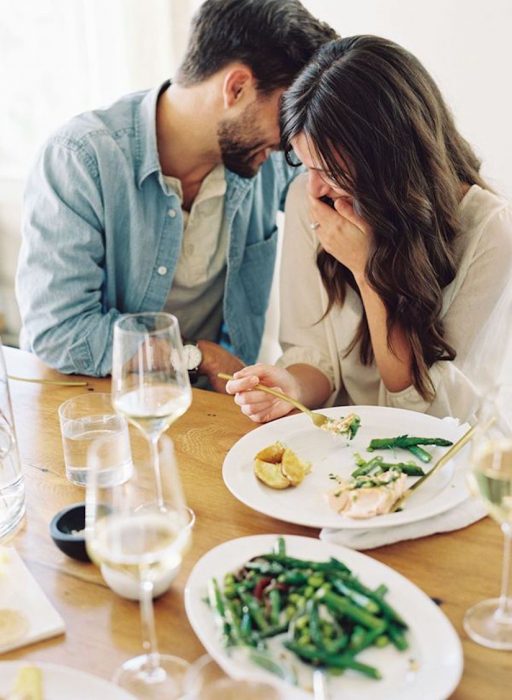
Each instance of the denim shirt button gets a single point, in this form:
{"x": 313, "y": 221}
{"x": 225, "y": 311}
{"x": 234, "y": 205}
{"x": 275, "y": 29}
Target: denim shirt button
{"x": 172, "y": 213}
{"x": 162, "y": 270}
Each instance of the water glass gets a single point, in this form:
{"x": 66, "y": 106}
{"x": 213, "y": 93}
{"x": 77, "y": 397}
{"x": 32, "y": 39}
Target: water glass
{"x": 86, "y": 418}
{"x": 12, "y": 490}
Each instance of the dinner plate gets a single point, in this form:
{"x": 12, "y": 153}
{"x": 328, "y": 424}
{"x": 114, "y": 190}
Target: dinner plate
{"x": 63, "y": 682}
{"x": 306, "y": 504}
{"x": 430, "y": 668}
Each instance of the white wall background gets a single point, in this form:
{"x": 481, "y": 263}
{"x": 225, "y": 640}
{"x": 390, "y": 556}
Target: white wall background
{"x": 60, "y": 57}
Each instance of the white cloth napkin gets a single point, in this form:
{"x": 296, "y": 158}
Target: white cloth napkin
{"x": 466, "y": 513}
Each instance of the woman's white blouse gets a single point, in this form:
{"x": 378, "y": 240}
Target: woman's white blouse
{"x": 477, "y": 313}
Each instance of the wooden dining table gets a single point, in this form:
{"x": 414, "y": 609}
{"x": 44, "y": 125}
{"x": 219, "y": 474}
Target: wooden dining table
{"x": 456, "y": 569}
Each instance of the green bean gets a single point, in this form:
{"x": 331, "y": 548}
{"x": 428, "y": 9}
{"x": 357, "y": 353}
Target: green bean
{"x": 275, "y": 605}
{"x": 323, "y": 658}
{"x": 420, "y": 453}
{"x": 387, "y": 611}
{"x": 344, "y": 607}
{"x": 381, "y": 590}
{"x": 217, "y": 604}
{"x": 292, "y": 563}
{"x": 367, "y": 639}
{"x": 280, "y": 547}
{"x": 357, "y": 638}
{"x": 405, "y": 441}
{"x": 359, "y": 598}
{"x": 397, "y": 637}
{"x": 255, "y": 611}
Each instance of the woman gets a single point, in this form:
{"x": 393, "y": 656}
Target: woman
{"x": 398, "y": 294}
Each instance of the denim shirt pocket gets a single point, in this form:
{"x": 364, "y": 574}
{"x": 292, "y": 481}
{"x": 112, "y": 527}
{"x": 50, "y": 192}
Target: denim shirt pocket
{"x": 257, "y": 270}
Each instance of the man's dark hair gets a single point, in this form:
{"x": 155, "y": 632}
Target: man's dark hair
{"x": 274, "y": 38}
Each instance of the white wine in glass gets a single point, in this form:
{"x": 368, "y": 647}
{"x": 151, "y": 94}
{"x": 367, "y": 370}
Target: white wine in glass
{"x": 150, "y": 383}
{"x": 490, "y": 622}
{"x": 132, "y": 531}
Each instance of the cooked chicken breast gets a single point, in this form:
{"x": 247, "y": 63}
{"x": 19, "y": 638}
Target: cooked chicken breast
{"x": 354, "y": 500}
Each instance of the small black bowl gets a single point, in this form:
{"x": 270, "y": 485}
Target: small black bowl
{"x": 67, "y": 531}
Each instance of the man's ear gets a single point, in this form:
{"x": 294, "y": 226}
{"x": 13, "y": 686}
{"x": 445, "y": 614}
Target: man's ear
{"x": 238, "y": 85}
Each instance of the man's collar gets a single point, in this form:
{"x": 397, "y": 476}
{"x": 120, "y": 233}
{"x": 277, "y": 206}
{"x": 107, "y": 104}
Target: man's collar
{"x": 147, "y": 158}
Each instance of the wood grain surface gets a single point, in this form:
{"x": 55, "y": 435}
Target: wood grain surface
{"x": 102, "y": 629}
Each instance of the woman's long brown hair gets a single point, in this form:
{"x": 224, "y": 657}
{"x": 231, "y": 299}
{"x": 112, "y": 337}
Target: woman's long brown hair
{"x": 379, "y": 125}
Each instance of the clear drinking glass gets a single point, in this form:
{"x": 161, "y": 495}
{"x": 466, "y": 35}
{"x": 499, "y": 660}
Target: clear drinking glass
{"x": 205, "y": 680}
{"x": 12, "y": 489}
{"x": 490, "y": 622}
{"x": 86, "y": 418}
{"x": 141, "y": 531}
{"x": 150, "y": 383}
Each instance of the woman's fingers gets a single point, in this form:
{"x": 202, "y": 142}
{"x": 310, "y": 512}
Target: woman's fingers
{"x": 240, "y": 384}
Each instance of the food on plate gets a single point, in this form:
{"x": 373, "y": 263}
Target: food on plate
{"x": 279, "y": 467}
{"x": 377, "y": 465}
{"x": 344, "y": 425}
{"x": 28, "y": 684}
{"x": 366, "y": 496}
{"x": 271, "y": 475}
{"x": 409, "y": 443}
{"x": 14, "y": 625}
{"x": 319, "y": 611}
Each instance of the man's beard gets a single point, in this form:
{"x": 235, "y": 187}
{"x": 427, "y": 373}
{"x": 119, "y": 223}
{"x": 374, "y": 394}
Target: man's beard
{"x": 237, "y": 148}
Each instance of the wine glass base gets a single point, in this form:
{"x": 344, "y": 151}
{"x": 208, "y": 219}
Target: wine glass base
{"x": 163, "y": 683}
{"x": 482, "y": 623}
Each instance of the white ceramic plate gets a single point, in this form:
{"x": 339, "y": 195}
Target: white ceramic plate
{"x": 434, "y": 645}
{"x": 63, "y": 682}
{"x": 306, "y": 504}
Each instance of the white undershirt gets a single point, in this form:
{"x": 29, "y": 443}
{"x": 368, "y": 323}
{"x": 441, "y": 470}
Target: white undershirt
{"x": 198, "y": 287}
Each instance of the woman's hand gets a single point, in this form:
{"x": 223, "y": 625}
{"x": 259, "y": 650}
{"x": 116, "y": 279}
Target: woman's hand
{"x": 257, "y": 405}
{"x": 342, "y": 233}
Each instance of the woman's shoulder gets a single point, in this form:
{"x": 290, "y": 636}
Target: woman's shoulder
{"x": 481, "y": 208}
{"x": 486, "y": 222}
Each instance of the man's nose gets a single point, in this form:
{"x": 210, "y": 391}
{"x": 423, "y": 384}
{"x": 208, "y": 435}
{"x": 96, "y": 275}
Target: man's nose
{"x": 316, "y": 186}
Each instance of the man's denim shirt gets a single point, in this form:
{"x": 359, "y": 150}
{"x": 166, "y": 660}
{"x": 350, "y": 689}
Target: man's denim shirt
{"x": 102, "y": 235}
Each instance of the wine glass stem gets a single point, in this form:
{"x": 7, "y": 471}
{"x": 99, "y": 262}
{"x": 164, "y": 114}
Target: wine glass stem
{"x": 147, "y": 617}
{"x": 153, "y": 443}
{"x": 504, "y": 611}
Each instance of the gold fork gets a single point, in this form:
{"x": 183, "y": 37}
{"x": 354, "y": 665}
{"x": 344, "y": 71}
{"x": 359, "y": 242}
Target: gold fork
{"x": 319, "y": 419}
{"x": 461, "y": 442}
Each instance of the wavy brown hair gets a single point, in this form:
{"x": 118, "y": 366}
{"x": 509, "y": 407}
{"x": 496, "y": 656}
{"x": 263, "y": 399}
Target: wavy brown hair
{"x": 368, "y": 102}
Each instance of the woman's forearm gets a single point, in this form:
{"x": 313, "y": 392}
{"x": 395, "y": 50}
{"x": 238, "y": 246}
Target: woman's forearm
{"x": 313, "y": 387}
{"x": 392, "y": 358}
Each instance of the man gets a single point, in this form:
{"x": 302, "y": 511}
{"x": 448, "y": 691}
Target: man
{"x": 167, "y": 199}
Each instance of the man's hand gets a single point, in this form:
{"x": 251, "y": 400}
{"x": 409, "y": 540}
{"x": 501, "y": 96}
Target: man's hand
{"x": 217, "y": 359}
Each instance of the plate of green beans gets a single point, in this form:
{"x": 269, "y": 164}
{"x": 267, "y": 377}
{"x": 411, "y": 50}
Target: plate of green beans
{"x": 387, "y": 437}
{"x": 277, "y": 608}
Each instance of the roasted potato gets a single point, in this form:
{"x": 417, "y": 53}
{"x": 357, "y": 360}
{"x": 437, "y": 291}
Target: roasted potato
{"x": 293, "y": 468}
{"x": 273, "y": 453}
{"x": 279, "y": 467}
{"x": 270, "y": 474}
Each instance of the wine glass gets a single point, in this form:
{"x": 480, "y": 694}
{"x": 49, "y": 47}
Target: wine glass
{"x": 205, "y": 680}
{"x": 150, "y": 383}
{"x": 490, "y": 622}
{"x": 133, "y": 532}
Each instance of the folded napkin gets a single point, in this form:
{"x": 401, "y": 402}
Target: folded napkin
{"x": 26, "y": 614}
{"x": 462, "y": 515}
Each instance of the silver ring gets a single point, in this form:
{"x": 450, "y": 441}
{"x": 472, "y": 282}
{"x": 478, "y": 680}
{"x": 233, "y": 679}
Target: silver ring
{"x": 314, "y": 225}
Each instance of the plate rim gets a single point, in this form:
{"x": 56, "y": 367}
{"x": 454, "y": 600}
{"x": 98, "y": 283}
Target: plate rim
{"x": 51, "y": 666}
{"x": 412, "y": 516}
{"x": 245, "y": 542}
